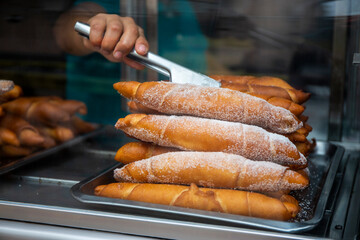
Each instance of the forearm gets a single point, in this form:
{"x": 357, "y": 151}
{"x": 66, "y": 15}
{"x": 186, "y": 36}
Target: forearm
{"x": 69, "y": 40}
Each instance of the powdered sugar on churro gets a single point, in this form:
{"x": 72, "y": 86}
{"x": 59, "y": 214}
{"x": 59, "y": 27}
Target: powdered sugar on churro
{"x": 208, "y": 169}
{"x": 200, "y": 134}
{"x": 216, "y": 103}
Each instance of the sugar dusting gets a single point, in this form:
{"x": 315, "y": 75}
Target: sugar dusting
{"x": 217, "y": 103}
{"x": 209, "y": 135}
{"x": 208, "y": 169}
{"x": 308, "y": 197}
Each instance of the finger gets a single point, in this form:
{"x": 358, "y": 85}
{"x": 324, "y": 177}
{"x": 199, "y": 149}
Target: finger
{"x": 133, "y": 64}
{"x": 106, "y": 54}
{"x": 141, "y": 45}
{"x": 128, "y": 38}
{"x": 89, "y": 45}
{"x": 97, "y": 30}
{"x": 114, "y": 29}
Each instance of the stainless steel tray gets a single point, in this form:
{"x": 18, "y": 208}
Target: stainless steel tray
{"x": 323, "y": 165}
{"x": 14, "y": 163}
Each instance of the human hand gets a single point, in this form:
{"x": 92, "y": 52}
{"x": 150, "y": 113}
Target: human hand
{"x": 114, "y": 37}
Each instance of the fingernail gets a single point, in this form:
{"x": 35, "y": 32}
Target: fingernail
{"x": 142, "y": 48}
{"x": 118, "y": 55}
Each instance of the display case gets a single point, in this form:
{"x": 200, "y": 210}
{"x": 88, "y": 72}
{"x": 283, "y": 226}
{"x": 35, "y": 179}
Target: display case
{"x": 312, "y": 45}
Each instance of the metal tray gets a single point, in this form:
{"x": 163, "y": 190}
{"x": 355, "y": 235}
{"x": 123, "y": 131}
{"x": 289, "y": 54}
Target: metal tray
{"x": 15, "y": 163}
{"x": 323, "y": 165}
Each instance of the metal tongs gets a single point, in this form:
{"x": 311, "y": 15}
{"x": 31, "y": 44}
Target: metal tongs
{"x": 175, "y": 72}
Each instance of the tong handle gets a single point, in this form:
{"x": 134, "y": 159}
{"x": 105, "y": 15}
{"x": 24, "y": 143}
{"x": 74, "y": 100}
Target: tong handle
{"x": 150, "y": 60}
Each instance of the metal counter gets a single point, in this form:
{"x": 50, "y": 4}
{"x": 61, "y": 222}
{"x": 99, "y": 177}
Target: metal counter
{"x": 36, "y": 199}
